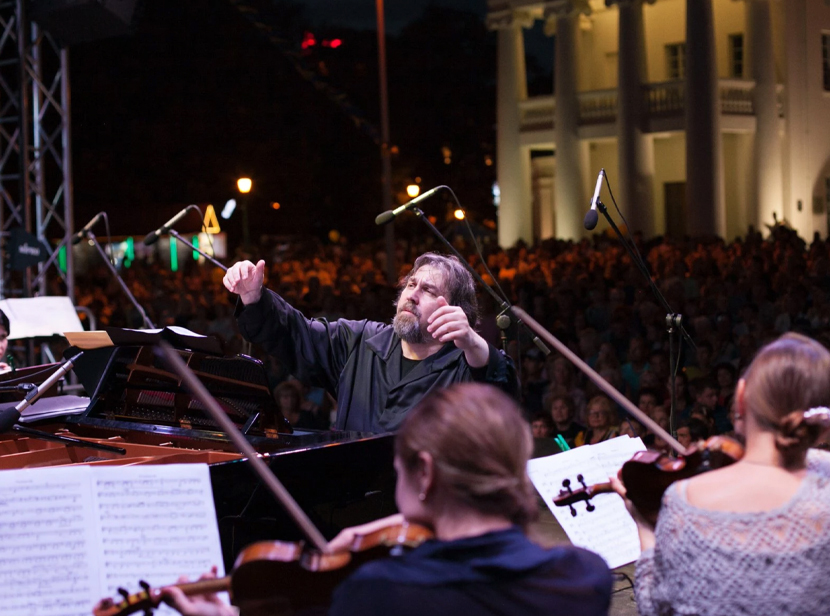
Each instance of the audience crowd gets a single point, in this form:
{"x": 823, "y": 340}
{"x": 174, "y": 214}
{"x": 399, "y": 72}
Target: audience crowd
{"x": 734, "y": 297}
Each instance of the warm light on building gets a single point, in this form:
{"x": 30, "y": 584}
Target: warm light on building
{"x": 459, "y": 214}
{"x": 275, "y": 205}
{"x": 244, "y": 185}
{"x": 413, "y": 190}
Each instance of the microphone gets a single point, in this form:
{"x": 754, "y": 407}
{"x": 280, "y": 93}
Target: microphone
{"x": 153, "y": 237}
{"x": 8, "y": 417}
{"x": 388, "y": 215}
{"x": 87, "y": 228}
{"x": 592, "y": 217}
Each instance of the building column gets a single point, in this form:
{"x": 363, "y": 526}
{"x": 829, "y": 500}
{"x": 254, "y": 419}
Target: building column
{"x": 635, "y": 147}
{"x": 570, "y": 203}
{"x": 704, "y": 170}
{"x": 768, "y": 157}
{"x": 512, "y": 162}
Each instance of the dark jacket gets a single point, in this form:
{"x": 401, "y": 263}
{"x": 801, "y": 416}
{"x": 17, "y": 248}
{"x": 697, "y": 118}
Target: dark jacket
{"x": 500, "y": 573}
{"x": 359, "y": 363}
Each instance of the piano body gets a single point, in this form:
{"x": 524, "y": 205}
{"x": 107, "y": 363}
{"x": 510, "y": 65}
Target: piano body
{"x": 339, "y": 478}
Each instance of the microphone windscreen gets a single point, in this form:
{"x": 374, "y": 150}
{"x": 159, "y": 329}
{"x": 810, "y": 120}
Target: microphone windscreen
{"x": 8, "y": 417}
{"x": 591, "y": 219}
{"x": 153, "y": 237}
{"x": 384, "y": 217}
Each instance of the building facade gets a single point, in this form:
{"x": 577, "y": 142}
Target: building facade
{"x": 708, "y": 116}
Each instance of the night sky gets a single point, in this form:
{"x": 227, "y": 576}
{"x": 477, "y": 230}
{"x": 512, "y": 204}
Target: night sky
{"x": 360, "y": 14}
{"x": 197, "y": 98}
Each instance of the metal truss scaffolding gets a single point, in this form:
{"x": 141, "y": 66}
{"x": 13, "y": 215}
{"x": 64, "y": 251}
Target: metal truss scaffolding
{"x": 35, "y": 143}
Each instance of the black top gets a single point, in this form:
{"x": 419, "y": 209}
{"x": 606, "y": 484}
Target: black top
{"x": 501, "y": 573}
{"x": 359, "y": 363}
{"x": 570, "y": 433}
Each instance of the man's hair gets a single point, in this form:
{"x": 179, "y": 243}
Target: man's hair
{"x": 459, "y": 287}
{"x": 650, "y": 391}
{"x": 4, "y": 321}
{"x": 480, "y": 445}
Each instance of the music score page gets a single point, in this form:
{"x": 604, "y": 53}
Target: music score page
{"x": 609, "y": 529}
{"x": 70, "y": 536}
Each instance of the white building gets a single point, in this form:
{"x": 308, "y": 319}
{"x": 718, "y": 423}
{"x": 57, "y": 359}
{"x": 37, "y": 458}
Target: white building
{"x": 707, "y": 115}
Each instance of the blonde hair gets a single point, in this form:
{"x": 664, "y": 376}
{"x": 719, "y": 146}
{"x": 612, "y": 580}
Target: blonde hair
{"x": 786, "y": 378}
{"x": 480, "y": 444}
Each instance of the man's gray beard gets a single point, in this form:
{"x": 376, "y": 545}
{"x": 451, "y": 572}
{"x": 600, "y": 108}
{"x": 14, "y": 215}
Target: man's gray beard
{"x": 408, "y": 329}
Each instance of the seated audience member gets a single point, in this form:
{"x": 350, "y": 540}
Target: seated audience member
{"x": 601, "y": 418}
{"x": 541, "y": 426}
{"x": 752, "y": 537}
{"x": 683, "y": 398}
{"x": 692, "y": 430}
{"x": 461, "y": 456}
{"x": 648, "y": 400}
{"x": 289, "y": 397}
{"x": 534, "y": 383}
{"x": 653, "y": 440}
{"x": 726, "y": 375}
{"x": 5, "y": 330}
{"x": 636, "y": 365}
{"x": 562, "y": 411}
{"x": 632, "y": 428}
{"x": 706, "y": 395}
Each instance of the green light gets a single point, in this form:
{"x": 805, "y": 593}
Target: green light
{"x": 196, "y": 255}
{"x": 174, "y": 257}
{"x": 129, "y": 252}
{"x": 62, "y": 258}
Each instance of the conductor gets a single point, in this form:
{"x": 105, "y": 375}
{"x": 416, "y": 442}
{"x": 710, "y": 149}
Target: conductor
{"x": 377, "y": 371}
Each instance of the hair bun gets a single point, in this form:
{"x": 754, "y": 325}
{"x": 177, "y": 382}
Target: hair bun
{"x": 794, "y": 434}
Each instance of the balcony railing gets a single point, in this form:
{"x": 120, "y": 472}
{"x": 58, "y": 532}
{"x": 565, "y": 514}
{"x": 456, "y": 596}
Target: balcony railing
{"x": 666, "y": 99}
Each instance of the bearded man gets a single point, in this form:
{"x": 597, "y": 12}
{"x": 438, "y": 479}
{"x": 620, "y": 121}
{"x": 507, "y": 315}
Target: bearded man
{"x": 377, "y": 371}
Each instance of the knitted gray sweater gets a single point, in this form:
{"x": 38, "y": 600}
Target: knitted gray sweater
{"x": 715, "y": 563}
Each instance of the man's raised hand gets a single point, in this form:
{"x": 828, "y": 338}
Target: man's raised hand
{"x": 245, "y": 279}
{"x": 450, "y": 324}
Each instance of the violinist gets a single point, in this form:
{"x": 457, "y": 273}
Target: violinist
{"x": 461, "y": 458}
{"x": 752, "y": 537}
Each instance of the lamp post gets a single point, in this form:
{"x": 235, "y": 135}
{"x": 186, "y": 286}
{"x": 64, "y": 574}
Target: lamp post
{"x": 385, "y": 154}
{"x": 244, "y": 185}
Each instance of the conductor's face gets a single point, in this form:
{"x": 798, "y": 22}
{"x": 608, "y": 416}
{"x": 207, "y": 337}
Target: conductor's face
{"x": 418, "y": 300}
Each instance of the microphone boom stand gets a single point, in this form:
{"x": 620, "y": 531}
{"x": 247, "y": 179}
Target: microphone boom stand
{"x": 147, "y": 322}
{"x": 175, "y": 234}
{"x": 673, "y": 320}
{"x": 503, "y": 304}
{"x": 10, "y": 416}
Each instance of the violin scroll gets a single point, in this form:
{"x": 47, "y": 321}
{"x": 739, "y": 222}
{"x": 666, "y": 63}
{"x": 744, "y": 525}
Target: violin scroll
{"x": 648, "y": 474}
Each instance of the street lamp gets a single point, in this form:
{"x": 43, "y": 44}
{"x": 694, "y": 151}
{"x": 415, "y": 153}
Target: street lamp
{"x": 244, "y": 185}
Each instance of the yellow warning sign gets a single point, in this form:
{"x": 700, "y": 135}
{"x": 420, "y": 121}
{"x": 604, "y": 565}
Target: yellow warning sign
{"x": 211, "y": 223}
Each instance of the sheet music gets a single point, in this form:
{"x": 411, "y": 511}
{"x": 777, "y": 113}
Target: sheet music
{"x": 71, "y": 536}
{"x": 608, "y": 530}
{"x": 156, "y": 524}
{"x": 47, "y": 537}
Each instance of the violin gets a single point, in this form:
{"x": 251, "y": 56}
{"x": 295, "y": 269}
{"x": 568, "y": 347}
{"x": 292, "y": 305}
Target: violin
{"x": 648, "y": 474}
{"x": 263, "y": 565}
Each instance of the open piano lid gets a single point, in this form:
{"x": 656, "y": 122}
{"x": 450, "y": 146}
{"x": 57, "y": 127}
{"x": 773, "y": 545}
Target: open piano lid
{"x": 131, "y": 387}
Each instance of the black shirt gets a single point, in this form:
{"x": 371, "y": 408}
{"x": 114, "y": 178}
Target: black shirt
{"x": 501, "y": 573}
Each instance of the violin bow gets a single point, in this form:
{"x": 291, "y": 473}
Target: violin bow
{"x": 598, "y": 380}
{"x": 299, "y": 516}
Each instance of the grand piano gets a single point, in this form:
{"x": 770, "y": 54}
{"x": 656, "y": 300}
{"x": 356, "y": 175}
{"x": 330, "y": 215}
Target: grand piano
{"x": 137, "y": 402}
